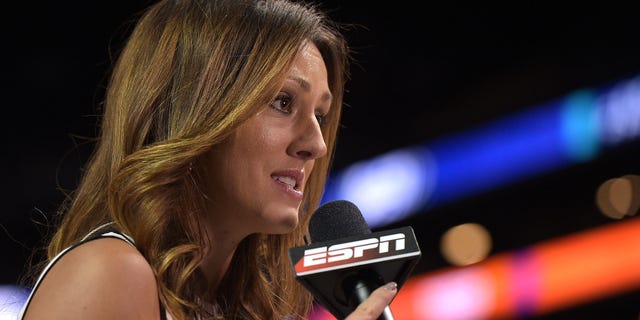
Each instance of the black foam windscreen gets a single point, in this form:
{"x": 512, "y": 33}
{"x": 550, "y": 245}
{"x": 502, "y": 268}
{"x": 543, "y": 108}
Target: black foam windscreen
{"x": 337, "y": 219}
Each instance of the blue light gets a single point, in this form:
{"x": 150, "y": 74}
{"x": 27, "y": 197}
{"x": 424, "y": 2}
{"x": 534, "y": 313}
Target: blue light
{"x": 387, "y": 187}
{"x": 619, "y": 110}
{"x": 581, "y": 126}
{"x": 537, "y": 140}
{"x": 11, "y": 300}
{"x": 510, "y": 148}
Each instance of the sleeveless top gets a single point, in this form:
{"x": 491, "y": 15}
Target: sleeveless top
{"x": 103, "y": 231}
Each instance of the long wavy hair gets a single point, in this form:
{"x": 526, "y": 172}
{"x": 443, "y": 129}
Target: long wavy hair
{"x": 190, "y": 73}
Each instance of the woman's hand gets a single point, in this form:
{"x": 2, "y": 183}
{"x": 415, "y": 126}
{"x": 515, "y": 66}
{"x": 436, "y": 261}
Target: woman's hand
{"x": 372, "y": 307}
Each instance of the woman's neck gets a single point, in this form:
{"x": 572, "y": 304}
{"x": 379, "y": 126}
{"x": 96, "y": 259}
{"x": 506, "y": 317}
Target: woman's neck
{"x": 218, "y": 255}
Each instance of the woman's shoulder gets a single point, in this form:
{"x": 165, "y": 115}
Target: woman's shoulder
{"x": 105, "y": 278}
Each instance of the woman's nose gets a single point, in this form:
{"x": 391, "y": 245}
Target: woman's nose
{"x": 309, "y": 142}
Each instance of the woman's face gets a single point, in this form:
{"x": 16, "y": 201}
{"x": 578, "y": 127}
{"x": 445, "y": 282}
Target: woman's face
{"x": 258, "y": 174}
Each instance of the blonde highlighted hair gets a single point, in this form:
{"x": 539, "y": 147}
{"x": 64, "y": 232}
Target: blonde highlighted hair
{"x": 190, "y": 73}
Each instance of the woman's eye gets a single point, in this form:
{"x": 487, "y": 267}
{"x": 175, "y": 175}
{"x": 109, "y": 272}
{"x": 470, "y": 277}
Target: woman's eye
{"x": 282, "y": 103}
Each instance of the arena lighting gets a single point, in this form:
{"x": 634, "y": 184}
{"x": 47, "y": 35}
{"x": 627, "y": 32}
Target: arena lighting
{"x": 11, "y": 300}
{"x": 535, "y": 280}
{"x": 575, "y": 128}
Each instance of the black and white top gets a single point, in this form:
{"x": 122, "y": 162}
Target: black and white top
{"x": 103, "y": 231}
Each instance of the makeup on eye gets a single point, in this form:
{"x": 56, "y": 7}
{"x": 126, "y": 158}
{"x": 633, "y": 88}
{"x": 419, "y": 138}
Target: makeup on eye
{"x": 283, "y": 103}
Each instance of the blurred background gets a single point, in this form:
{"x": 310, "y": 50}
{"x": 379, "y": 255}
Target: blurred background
{"x": 507, "y": 136}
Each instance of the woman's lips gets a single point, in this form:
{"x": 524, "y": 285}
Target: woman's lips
{"x": 290, "y": 181}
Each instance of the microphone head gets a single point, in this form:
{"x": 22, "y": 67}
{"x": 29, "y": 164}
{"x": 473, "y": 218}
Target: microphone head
{"x": 337, "y": 219}
{"x": 345, "y": 260}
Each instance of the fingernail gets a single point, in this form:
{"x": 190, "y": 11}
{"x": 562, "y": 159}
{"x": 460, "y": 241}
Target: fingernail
{"x": 391, "y": 286}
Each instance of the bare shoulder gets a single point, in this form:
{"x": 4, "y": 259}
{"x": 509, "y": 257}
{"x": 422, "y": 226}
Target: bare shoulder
{"x": 102, "y": 279}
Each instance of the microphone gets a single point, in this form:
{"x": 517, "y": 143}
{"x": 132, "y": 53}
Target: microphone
{"x": 345, "y": 261}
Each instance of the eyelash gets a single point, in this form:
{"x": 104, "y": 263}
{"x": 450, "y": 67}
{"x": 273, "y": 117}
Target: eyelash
{"x": 285, "y": 100}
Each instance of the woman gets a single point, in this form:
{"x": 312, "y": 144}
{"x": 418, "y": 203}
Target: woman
{"x": 219, "y": 127}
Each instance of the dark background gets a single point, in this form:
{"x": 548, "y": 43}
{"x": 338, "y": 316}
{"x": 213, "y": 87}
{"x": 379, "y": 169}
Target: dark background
{"x": 423, "y": 72}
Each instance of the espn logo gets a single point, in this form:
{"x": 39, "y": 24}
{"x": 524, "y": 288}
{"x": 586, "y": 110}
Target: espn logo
{"x": 353, "y": 249}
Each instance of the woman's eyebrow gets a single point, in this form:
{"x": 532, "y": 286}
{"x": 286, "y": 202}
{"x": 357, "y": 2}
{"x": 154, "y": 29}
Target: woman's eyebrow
{"x": 304, "y": 84}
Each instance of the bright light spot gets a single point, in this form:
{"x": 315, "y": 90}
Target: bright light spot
{"x": 619, "y": 197}
{"x": 604, "y": 202}
{"x": 459, "y": 295}
{"x": 581, "y": 126}
{"x": 466, "y": 244}
{"x": 11, "y": 300}
{"x": 620, "y": 113}
{"x": 389, "y": 187}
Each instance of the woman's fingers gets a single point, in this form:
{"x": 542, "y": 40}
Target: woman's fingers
{"x": 373, "y": 306}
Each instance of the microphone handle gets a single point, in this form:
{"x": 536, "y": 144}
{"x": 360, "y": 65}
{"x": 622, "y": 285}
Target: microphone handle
{"x": 362, "y": 292}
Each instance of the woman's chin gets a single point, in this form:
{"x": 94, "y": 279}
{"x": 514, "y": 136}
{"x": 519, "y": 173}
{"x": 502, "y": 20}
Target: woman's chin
{"x": 287, "y": 226}
{"x": 279, "y": 219}
{"x": 284, "y": 225}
